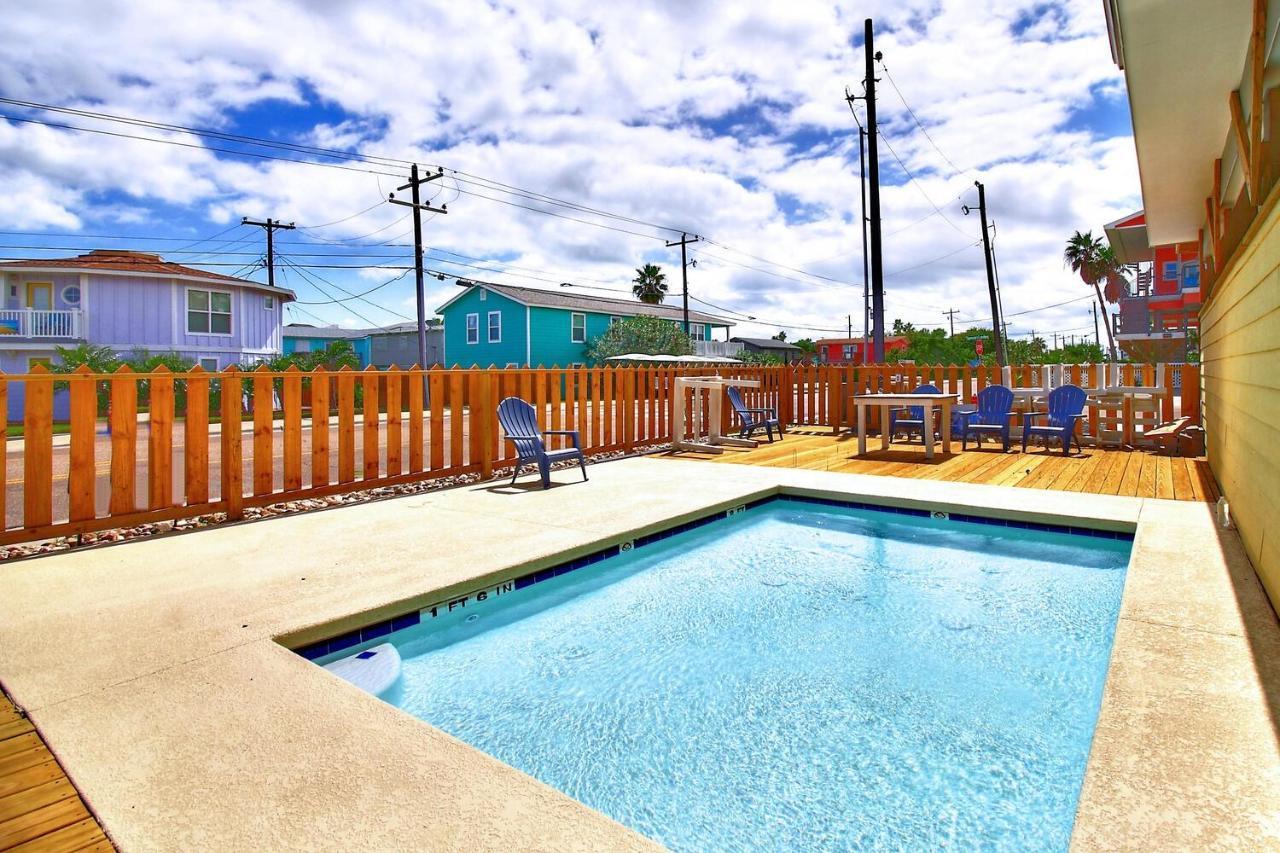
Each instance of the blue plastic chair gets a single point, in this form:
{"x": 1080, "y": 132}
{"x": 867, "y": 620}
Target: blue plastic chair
{"x": 995, "y": 407}
{"x": 520, "y": 424}
{"x": 753, "y": 419}
{"x": 1066, "y": 407}
{"x": 914, "y": 422}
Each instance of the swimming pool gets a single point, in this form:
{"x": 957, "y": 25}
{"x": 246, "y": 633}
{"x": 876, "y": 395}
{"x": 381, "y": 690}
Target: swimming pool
{"x": 792, "y": 676}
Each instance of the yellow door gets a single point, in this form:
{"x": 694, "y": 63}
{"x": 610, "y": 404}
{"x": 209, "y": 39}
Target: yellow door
{"x": 40, "y": 295}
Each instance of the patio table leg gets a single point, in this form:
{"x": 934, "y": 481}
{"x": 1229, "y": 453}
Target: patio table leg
{"x": 862, "y": 429}
{"x": 884, "y": 427}
{"x": 928, "y": 429}
{"x": 946, "y": 426}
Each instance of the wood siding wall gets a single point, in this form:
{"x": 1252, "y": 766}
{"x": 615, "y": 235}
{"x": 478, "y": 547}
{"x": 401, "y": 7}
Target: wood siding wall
{"x": 1240, "y": 355}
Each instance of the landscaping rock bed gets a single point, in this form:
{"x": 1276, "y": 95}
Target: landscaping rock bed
{"x": 285, "y": 507}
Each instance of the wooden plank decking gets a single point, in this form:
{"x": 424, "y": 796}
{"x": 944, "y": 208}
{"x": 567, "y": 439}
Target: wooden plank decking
{"x": 1103, "y": 471}
{"x": 40, "y": 810}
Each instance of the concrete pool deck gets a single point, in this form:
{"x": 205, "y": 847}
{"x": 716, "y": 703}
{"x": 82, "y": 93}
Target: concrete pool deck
{"x": 154, "y": 671}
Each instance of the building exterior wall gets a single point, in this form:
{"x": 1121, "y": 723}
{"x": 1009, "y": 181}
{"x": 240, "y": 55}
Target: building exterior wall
{"x": 1239, "y": 330}
{"x": 510, "y": 350}
{"x": 401, "y": 348}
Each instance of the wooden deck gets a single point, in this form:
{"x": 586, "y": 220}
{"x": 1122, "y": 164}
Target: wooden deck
{"x": 40, "y": 810}
{"x": 1102, "y": 471}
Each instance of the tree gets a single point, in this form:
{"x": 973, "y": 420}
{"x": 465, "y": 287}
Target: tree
{"x": 650, "y": 284}
{"x": 647, "y": 335}
{"x": 98, "y": 359}
{"x": 1095, "y": 262}
{"x": 781, "y": 336}
{"x": 807, "y": 346}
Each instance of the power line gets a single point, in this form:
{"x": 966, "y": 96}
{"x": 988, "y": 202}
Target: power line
{"x": 357, "y": 295}
{"x": 315, "y": 282}
{"x": 958, "y": 171}
{"x": 912, "y": 178}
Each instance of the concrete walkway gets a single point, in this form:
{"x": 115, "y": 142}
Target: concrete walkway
{"x": 155, "y": 671}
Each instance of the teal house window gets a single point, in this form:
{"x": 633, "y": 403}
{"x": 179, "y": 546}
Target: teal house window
{"x": 578, "y": 329}
{"x": 473, "y": 328}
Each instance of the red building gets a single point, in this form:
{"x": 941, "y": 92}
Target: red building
{"x": 855, "y": 350}
{"x": 1163, "y": 302}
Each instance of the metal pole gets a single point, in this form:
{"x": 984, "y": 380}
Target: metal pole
{"x": 271, "y": 253}
{"x": 991, "y": 276}
{"x": 873, "y": 157}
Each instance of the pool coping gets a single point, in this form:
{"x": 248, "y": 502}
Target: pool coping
{"x": 156, "y": 669}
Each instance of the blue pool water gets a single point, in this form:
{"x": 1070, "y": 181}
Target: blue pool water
{"x": 796, "y": 677}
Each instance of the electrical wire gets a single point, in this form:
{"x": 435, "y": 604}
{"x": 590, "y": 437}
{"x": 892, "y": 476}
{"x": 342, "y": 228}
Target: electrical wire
{"x": 957, "y": 170}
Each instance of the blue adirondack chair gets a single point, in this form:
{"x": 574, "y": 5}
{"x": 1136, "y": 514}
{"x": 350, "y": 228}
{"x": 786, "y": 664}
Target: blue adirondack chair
{"x": 914, "y": 421}
{"x": 1066, "y": 407}
{"x": 520, "y": 423}
{"x": 995, "y": 407}
{"x": 753, "y": 419}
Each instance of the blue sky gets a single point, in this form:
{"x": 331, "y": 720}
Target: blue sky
{"x": 726, "y": 120}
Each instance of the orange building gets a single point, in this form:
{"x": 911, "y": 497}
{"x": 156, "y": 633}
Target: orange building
{"x": 1162, "y": 303}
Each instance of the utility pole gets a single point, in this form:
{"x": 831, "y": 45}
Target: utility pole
{"x": 866, "y": 274}
{"x": 684, "y": 241}
{"x": 1096, "y": 338}
{"x": 951, "y": 315}
{"x": 873, "y": 163}
{"x": 849, "y": 321}
{"x": 414, "y": 183}
{"x": 991, "y": 275}
{"x": 270, "y": 226}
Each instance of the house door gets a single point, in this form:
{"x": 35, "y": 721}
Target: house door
{"x": 40, "y": 295}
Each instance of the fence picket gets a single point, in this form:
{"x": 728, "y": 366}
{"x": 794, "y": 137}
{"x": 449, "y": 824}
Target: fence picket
{"x": 160, "y": 441}
{"x": 124, "y": 430}
{"x": 319, "y": 428}
{"x": 369, "y": 382}
{"x": 292, "y": 402}
{"x": 346, "y": 382}
{"x": 195, "y": 438}
{"x": 232, "y": 458}
{"x": 263, "y": 439}
{"x": 81, "y": 466}
{"x": 37, "y": 449}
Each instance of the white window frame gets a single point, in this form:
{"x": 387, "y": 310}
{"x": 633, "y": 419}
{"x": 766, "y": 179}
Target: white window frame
{"x": 231, "y": 313}
{"x": 512, "y": 365}
{"x": 269, "y": 302}
{"x": 207, "y": 358}
{"x": 79, "y": 295}
{"x": 489, "y": 327}
{"x": 697, "y": 331}
{"x": 473, "y": 325}
{"x": 573, "y": 327}
{"x": 302, "y": 345}
{"x": 614, "y": 320}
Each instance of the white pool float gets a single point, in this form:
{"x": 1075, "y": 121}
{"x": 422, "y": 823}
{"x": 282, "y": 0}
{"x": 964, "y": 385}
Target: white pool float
{"x": 373, "y": 670}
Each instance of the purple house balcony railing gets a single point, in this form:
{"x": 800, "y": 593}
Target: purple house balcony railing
{"x": 34, "y": 323}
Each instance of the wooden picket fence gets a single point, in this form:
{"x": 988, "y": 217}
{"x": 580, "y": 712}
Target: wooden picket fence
{"x": 222, "y": 442}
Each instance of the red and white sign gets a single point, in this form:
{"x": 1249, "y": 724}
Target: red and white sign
{"x": 977, "y": 346}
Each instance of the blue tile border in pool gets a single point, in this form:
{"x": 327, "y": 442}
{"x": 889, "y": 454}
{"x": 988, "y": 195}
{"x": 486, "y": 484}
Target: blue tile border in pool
{"x": 408, "y": 620}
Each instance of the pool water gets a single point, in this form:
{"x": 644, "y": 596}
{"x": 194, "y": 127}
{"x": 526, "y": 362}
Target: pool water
{"x": 796, "y": 677}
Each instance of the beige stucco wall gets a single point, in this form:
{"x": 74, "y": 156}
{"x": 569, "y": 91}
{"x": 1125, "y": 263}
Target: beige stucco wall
{"x": 1240, "y": 350}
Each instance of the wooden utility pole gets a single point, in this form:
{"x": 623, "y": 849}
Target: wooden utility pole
{"x": 414, "y": 183}
{"x": 873, "y": 172}
{"x": 991, "y": 275}
{"x": 684, "y": 241}
{"x": 951, "y": 315}
{"x": 270, "y": 226}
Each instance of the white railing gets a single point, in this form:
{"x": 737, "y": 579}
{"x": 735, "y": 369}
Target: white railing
{"x": 728, "y": 349}
{"x": 33, "y": 323}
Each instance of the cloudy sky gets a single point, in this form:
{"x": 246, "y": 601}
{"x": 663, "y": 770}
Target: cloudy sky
{"x": 726, "y": 119}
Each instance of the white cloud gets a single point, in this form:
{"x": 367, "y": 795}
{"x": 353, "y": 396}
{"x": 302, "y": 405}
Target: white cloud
{"x": 727, "y": 119}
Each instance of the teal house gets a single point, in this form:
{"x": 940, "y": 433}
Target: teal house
{"x": 497, "y": 324}
{"x": 300, "y": 337}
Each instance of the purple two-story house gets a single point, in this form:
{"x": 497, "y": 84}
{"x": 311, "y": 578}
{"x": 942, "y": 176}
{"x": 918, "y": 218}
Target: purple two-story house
{"x": 132, "y": 300}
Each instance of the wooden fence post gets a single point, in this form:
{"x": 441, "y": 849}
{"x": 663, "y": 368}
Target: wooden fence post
{"x": 369, "y": 388}
{"x": 346, "y": 425}
{"x": 395, "y": 384}
{"x": 263, "y": 449}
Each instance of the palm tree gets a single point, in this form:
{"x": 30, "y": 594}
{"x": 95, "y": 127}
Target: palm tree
{"x": 650, "y": 284}
{"x": 1095, "y": 262}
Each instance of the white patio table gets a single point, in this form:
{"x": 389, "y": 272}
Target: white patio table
{"x": 891, "y": 401}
